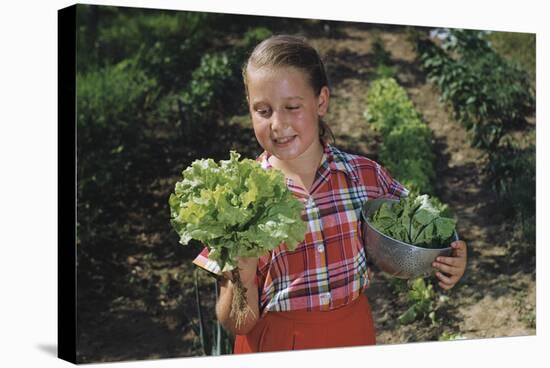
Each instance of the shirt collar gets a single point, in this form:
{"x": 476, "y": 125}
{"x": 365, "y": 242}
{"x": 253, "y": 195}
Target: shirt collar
{"x": 339, "y": 161}
{"x": 336, "y": 159}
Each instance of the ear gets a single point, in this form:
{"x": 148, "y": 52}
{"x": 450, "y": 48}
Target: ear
{"x": 322, "y": 101}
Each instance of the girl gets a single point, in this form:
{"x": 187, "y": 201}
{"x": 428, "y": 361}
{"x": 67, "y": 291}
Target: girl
{"x": 312, "y": 297}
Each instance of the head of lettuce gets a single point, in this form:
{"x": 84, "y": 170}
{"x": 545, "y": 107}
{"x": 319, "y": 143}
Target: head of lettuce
{"x": 236, "y": 208}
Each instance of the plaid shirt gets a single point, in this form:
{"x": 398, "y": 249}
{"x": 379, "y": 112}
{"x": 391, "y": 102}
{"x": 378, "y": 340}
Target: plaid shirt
{"x": 329, "y": 268}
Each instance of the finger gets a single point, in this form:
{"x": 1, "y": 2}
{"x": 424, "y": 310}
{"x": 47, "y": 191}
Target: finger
{"x": 451, "y": 261}
{"x": 446, "y": 280}
{"x": 459, "y": 248}
{"x": 445, "y": 268}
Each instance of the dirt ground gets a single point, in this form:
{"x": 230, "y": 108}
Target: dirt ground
{"x": 141, "y": 303}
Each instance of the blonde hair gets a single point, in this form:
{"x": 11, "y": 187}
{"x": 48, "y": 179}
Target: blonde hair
{"x": 292, "y": 51}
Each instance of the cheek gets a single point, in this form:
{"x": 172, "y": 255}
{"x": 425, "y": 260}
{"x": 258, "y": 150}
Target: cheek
{"x": 261, "y": 131}
{"x": 309, "y": 123}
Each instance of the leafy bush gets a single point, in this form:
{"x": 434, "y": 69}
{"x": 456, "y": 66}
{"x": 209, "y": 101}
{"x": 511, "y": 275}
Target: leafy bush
{"x": 414, "y": 139}
{"x": 112, "y": 97}
{"x": 215, "y": 89}
{"x": 417, "y": 174}
{"x": 489, "y": 95}
{"x": 208, "y": 82}
{"x": 406, "y": 150}
{"x": 389, "y": 106}
{"x": 210, "y": 95}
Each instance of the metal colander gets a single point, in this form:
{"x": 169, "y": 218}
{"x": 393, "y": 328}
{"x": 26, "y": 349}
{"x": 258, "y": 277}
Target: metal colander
{"x": 394, "y": 257}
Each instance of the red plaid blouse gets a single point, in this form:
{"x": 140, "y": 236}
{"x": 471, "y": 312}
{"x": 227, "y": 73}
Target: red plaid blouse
{"x": 329, "y": 268}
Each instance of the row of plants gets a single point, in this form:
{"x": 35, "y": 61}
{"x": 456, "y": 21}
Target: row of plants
{"x": 488, "y": 94}
{"x": 406, "y": 151}
{"x": 493, "y": 98}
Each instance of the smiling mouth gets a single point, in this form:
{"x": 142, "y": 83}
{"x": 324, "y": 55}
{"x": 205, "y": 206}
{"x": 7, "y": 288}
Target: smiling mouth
{"x": 284, "y": 140}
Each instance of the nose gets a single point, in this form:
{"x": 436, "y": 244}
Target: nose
{"x": 278, "y": 121}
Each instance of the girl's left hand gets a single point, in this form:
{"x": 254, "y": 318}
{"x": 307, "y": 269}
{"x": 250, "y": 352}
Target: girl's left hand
{"x": 451, "y": 269}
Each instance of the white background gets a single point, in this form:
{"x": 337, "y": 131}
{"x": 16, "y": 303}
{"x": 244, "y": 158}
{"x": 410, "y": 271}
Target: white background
{"x": 28, "y": 180}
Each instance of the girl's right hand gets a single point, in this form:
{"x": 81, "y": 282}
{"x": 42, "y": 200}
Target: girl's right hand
{"x": 247, "y": 270}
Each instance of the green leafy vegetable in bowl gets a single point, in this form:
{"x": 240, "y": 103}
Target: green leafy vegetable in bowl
{"x": 416, "y": 220}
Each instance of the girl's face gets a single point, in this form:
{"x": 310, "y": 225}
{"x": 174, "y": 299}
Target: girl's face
{"x": 285, "y": 111}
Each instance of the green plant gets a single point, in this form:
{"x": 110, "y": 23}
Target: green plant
{"x": 488, "y": 94}
{"x": 398, "y": 286}
{"x": 406, "y": 149}
{"x": 210, "y": 94}
{"x": 385, "y": 71}
{"x": 389, "y": 106}
{"x": 207, "y": 81}
{"x": 114, "y": 96}
{"x": 112, "y": 105}
{"x": 422, "y": 297}
{"x": 449, "y": 336}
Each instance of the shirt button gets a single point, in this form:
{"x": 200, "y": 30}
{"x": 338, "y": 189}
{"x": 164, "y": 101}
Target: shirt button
{"x": 320, "y": 248}
{"x": 325, "y": 297}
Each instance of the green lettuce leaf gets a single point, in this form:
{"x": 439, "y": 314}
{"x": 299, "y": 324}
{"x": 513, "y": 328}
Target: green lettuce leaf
{"x": 236, "y": 208}
{"x": 416, "y": 219}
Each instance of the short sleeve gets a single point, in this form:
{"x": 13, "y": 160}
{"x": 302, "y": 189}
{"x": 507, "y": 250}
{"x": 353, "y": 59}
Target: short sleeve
{"x": 206, "y": 263}
{"x": 389, "y": 187}
{"x": 209, "y": 265}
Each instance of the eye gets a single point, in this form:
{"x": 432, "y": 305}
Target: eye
{"x": 263, "y": 111}
{"x": 293, "y": 107}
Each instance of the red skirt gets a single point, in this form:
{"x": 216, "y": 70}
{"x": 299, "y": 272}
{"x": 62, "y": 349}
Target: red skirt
{"x": 351, "y": 325}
